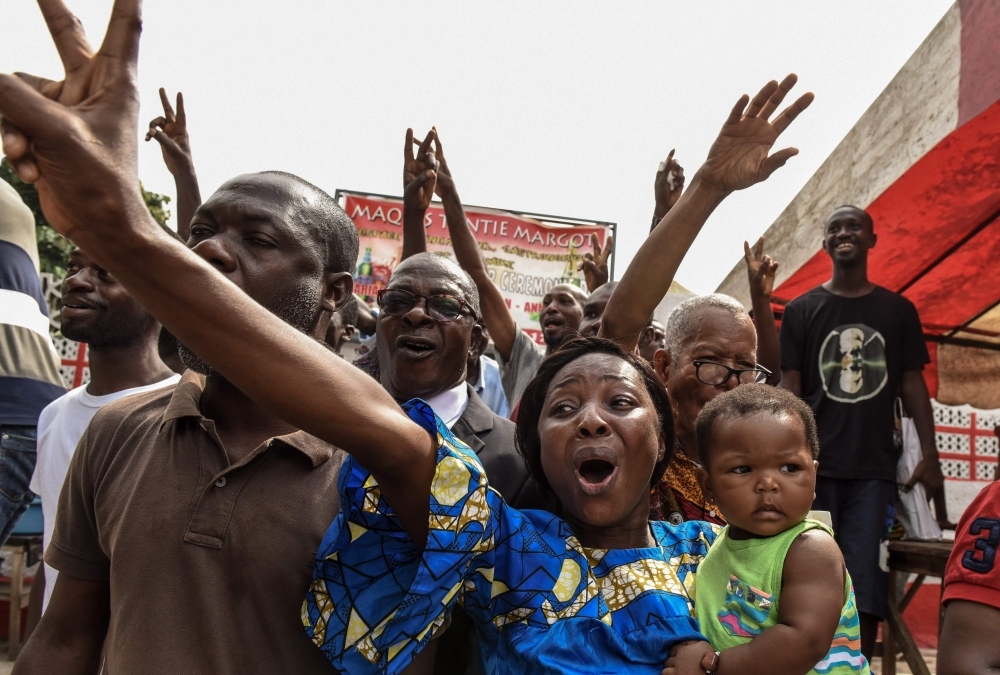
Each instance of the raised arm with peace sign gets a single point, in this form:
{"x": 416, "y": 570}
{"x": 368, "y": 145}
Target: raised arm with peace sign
{"x": 84, "y": 124}
{"x": 595, "y": 265}
{"x": 170, "y": 131}
{"x": 419, "y": 180}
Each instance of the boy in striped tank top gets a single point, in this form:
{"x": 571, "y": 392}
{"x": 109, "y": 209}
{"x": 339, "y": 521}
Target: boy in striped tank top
{"x": 773, "y": 594}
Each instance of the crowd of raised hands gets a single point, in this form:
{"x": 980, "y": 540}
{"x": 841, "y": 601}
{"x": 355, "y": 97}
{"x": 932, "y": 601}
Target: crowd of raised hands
{"x": 39, "y": 113}
{"x": 75, "y": 139}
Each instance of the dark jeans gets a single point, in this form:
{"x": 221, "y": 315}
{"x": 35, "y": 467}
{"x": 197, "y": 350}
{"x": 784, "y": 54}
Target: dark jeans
{"x": 862, "y": 512}
{"x": 17, "y": 463}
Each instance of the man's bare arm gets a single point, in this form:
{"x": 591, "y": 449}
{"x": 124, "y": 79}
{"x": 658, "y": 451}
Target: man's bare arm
{"x": 499, "y": 321}
{"x": 170, "y": 131}
{"x": 70, "y": 636}
{"x": 761, "y": 270}
{"x": 969, "y": 644}
{"x": 738, "y": 159}
{"x": 35, "y": 601}
{"x": 792, "y": 381}
{"x": 77, "y": 141}
{"x": 917, "y": 401}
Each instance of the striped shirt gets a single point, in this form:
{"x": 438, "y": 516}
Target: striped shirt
{"x": 29, "y": 364}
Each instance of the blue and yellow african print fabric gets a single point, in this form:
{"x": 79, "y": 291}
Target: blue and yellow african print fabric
{"x": 541, "y": 602}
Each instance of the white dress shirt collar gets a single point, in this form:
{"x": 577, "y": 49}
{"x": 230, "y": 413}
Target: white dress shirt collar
{"x": 450, "y": 404}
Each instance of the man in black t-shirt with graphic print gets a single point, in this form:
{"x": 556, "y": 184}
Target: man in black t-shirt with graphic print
{"x": 849, "y": 348}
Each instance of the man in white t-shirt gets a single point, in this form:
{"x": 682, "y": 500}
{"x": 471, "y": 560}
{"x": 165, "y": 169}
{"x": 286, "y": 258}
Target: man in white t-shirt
{"x": 121, "y": 342}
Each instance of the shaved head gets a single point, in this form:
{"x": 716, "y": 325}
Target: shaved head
{"x": 862, "y": 215}
{"x": 331, "y": 229}
{"x": 575, "y": 291}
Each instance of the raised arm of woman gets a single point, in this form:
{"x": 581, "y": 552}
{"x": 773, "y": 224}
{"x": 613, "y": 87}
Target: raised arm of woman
{"x": 738, "y": 159}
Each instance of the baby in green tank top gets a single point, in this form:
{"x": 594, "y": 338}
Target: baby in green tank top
{"x": 773, "y": 594}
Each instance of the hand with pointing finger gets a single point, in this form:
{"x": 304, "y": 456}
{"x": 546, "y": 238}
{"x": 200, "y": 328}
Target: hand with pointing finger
{"x": 760, "y": 269}
{"x": 595, "y": 265}
{"x": 668, "y": 186}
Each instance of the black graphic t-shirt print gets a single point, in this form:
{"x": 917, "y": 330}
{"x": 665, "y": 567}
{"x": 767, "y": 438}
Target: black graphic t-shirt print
{"x": 852, "y": 363}
{"x": 851, "y": 354}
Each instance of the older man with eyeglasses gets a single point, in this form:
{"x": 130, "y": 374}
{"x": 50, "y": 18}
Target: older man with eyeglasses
{"x": 710, "y": 347}
{"x": 428, "y": 326}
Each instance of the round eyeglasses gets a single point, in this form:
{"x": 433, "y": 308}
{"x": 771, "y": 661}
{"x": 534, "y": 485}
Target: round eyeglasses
{"x": 716, "y": 374}
{"x": 397, "y": 302}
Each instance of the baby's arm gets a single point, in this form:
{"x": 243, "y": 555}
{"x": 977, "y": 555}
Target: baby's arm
{"x": 812, "y": 598}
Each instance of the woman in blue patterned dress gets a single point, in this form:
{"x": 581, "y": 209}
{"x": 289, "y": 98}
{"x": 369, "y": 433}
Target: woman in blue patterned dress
{"x": 594, "y": 588}
{"x": 598, "y": 589}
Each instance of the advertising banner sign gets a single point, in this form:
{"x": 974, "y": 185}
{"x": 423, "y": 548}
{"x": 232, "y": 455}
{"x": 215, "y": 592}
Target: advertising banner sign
{"x": 526, "y": 255}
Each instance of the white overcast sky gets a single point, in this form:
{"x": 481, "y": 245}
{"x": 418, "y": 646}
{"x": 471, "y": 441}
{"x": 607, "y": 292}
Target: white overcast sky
{"x": 563, "y": 108}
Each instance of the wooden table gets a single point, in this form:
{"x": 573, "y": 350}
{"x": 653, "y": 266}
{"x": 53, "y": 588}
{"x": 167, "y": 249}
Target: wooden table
{"x": 925, "y": 559}
{"x": 26, "y": 552}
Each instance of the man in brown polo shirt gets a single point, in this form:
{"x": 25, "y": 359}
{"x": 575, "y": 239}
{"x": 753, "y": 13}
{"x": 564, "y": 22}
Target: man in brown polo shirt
{"x": 190, "y": 517}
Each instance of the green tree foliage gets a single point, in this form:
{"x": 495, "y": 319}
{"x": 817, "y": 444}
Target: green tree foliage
{"x": 52, "y": 246}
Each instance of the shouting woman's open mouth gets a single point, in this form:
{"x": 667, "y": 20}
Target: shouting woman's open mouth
{"x": 596, "y": 469}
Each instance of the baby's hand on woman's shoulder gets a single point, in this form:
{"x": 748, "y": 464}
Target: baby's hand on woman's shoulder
{"x": 689, "y": 657}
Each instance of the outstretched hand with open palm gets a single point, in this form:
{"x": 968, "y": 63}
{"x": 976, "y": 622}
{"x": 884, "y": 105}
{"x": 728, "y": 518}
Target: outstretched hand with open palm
{"x": 739, "y": 156}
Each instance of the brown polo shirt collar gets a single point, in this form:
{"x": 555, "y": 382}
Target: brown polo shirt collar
{"x": 184, "y": 403}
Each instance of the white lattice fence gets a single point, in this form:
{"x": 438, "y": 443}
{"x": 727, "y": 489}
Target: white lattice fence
{"x": 968, "y": 450}
{"x": 966, "y": 441}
